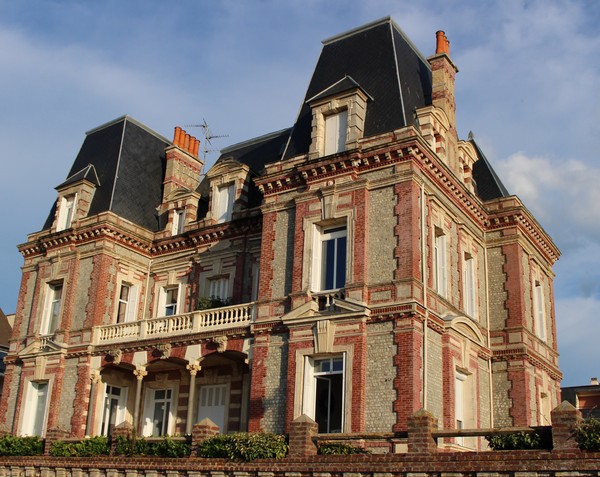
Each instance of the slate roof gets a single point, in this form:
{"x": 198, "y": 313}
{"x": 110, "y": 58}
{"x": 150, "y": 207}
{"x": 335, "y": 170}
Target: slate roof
{"x": 487, "y": 183}
{"x": 126, "y": 160}
{"x": 386, "y": 65}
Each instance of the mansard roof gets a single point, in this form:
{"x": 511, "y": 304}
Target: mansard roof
{"x": 126, "y": 160}
{"x": 383, "y": 61}
{"x": 488, "y": 184}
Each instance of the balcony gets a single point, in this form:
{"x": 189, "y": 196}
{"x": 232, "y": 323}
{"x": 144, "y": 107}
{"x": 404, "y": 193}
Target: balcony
{"x": 215, "y": 319}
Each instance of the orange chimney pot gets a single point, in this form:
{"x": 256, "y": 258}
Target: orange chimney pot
{"x": 196, "y": 146}
{"x": 442, "y": 44}
{"x": 177, "y": 136}
{"x": 186, "y": 142}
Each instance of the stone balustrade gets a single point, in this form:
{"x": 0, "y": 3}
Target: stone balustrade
{"x": 193, "y": 322}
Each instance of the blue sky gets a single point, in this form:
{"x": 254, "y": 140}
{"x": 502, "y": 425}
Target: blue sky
{"x": 528, "y": 88}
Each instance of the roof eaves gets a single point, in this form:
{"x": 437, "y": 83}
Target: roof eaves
{"x": 359, "y": 29}
{"x": 253, "y": 141}
{"x": 131, "y": 120}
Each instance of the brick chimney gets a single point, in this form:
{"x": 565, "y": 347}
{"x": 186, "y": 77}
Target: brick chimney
{"x": 443, "y": 72}
{"x": 182, "y": 176}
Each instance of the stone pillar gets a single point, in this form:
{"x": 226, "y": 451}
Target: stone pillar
{"x": 193, "y": 368}
{"x": 564, "y": 418}
{"x": 139, "y": 373}
{"x": 94, "y": 378}
{"x": 53, "y": 435}
{"x": 202, "y": 431}
{"x": 421, "y": 426}
{"x": 302, "y": 431}
{"x": 122, "y": 430}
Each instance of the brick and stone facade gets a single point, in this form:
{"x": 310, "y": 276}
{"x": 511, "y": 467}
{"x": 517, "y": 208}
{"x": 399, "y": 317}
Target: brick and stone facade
{"x": 355, "y": 286}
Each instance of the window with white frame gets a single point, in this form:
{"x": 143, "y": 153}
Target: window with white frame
{"x": 34, "y": 417}
{"x": 336, "y": 129}
{"x": 224, "y": 203}
{"x": 213, "y": 400}
{"x": 126, "y": 307}
{"x": 539, "y": 310}
{"x": 459, "y": 403}
{"x": 323, "y": 399}
{"x": 169, "y": 301}
{"x": 440, "y": 265}
{"x": 115, "y": 403}
{"x": 219, "y": 288}
{"x": 158, "y": 412}
{"x": 51, "y": 318}
{"x": 66, "y": 212}
{"x": 178, "y": 221}
{"x": 469, "y": 285}
{"x": 329, "y": 258}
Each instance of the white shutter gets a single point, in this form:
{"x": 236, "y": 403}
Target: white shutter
{"x": 131, "y": 304}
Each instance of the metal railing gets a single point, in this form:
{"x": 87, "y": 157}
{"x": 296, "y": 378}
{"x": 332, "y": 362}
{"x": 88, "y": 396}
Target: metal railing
{"x": 194, "y": 322}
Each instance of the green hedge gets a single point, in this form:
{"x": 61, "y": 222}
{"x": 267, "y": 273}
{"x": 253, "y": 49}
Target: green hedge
{"x": 244, "y": 446}
{"x": 15, "y": 446}
{"x": 587, "y": 435}
{"x": 338, "y": 448}
{"x": 520, "y": 441}
{"x": 168, "y": 447}
{"x": 84, "y": 448}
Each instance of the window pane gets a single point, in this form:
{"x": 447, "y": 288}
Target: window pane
{"x": 340, "y": 267}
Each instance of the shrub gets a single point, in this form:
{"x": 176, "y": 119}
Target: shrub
{"x": 14, "y": 446}
{"x": 516, "y": 441}
{"x": 244, "y": 446}
{"x": 338, "y": 448}
{"x": 206, "y": 303}
{"x": 587, "y": 435}
{"x": 84, "y": 448}
{"x": 168, "y": 447}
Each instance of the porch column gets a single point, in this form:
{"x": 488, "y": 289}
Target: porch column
{"x": 139, "y": 373}
{"x": 193, "y": 368}
{"x": 94, "y": 378}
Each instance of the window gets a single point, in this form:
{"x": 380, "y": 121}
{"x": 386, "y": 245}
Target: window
{"x": 459, "y": 403}
{"x": 212, "y": 404}
{"x": 219, "y": 288}
{"x": 469, "y": 286}
{"x": 324, "y": 392}
{"x": 158, "y": 412}
{"x": 35, "y": 411}
{"x": 115, "y": 400}
{"x": 127, "y": 303}
{"x": 66, "y": 212}
{"x": 178, "y": 221}
{"x": 170, "y": 301}
{"x": 439, "y": 267}
{"x": 539, "y": 310}
{"x": 51, "y": 318}
{"x": 224, "y": 203}
{"x": 336, "y": 127}
{"x": 330, "y": 259}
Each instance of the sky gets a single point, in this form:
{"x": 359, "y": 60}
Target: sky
{"x": 527, "y": 87}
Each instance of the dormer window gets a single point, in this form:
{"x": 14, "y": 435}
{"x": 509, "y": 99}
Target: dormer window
{"x": 338, "y": 117}
{"x": 223, "y": 206}
{"x": 66, "y": 212}
{"x": 178, "y": 221}
{"x": 336, "y": 129}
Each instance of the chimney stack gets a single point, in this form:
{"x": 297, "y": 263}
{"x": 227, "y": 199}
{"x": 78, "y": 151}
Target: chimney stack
{"x": 443, "y": 72}
{"x": 594, "y": 382}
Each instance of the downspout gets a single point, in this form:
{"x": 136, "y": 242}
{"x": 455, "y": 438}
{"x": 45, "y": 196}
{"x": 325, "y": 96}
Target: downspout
{"x": 489, "y": 344}
{"x": 425, "y": 304}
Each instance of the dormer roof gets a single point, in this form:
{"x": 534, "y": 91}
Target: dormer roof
{"x": 126, "y": 161}
{"x": 384, "y": 62}
{"x": 488, "y": 184}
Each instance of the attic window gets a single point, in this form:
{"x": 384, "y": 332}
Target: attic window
{"x": 223, "y": 205}
{"x": 336, "y": 128}
{"x": 66, "y": 212}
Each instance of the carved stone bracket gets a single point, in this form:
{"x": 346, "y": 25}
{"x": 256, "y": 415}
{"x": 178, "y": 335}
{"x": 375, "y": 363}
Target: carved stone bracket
{"x": 221, "y": 342}
{"x": 140, "y": 373}
{"x": 163, "y": 350}
{"x": 193, "y": 368}
{"x": 114, "y": 355}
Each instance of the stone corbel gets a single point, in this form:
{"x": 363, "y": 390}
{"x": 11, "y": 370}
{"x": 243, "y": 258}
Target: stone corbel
{"x": 163, "y": 351}
{"x": 221, "y": 343}
{"x": 114, "y": 356}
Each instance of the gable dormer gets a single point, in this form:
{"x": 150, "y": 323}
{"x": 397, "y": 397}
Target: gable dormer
{"x": 338, "y": 117}
{"x": 74, "y": 198}
{"x": 228, "y": 182}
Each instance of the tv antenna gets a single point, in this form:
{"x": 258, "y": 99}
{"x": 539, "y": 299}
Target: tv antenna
{"x": 207, "y": 145}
